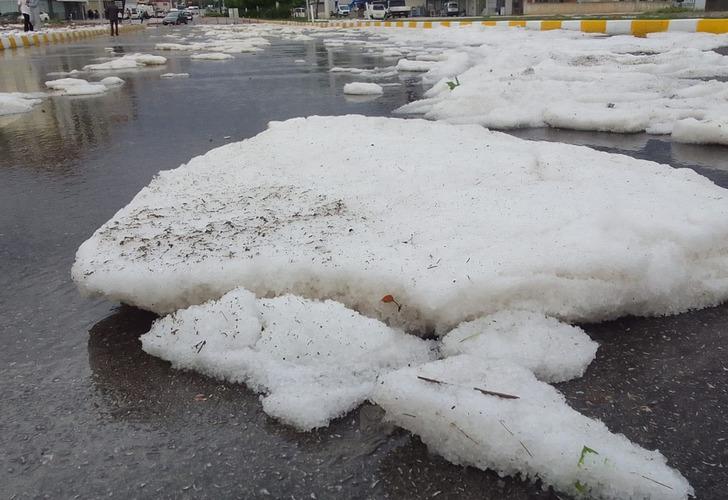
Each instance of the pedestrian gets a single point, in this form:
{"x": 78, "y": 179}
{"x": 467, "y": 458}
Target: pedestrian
{"x": 24, "y": 9}
{"x": 35, "y": 23}
{"x": 112, "y": 14}
{"x": 96, "y": 14}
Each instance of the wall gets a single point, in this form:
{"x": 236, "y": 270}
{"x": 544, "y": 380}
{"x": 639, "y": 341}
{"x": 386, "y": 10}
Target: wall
{"x": 592, "y": 7}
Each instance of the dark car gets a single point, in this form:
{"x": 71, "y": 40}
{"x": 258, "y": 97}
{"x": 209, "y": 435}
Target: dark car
{"x": 9, "y": 17}
{"x": 175, "y": 17}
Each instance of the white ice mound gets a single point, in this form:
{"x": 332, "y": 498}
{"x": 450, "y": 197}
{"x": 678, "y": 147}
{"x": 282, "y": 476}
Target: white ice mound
{"x": 16, "y": 102}
{"x": 552, "y": 350}
{"x": 179, "y": 46}
{"x": 129, "y": 61}
{"x": 315, "y": 361}
{"x": 708, "y": 131}
{"x": 461, "y": 408}
{"x": 361, "y": 88}
{"x": 79, "y": 86}
{"x": 212, "y": 56}
{"x": 566, "y": 80}
{"x": 455, "y": 222}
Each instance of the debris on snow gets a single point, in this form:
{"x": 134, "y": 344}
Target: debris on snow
{"x": 564, "y": 230}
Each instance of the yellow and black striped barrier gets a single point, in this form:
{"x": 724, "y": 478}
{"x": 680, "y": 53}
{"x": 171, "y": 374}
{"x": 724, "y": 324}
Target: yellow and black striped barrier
{"x": 37, "y": 38}
{"x": 637, "y": 27}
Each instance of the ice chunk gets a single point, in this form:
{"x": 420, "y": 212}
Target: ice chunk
{"x": 553, "y": 350}
{"x": 78, "y": 86}
{"x": 566, "y": 79}
{"x": 360, "y": 88}
{"x": 212, "y": 56}
{"x": 65, "y": 73}
{"x": 175, "y": 75}
{"x": 455, "y": 222}
{"x": 111, "y": 81}
{"x": 463, "y": 408}
{"x": 179, "y": 46}
{"x": 16, "y": 102}
{"x": 409, "y": 65}
{"x": 315, "y": 361}
{"x": 129, "y": 61}
{"x": 711, "y": 131}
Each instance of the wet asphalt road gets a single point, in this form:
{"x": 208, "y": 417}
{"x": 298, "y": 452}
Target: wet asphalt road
{"x": 84, "y": 413}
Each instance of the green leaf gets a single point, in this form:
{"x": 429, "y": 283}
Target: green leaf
{"x": 584, "y": 451}
{"x": 454, "y": 84}
{"x": 581, "y": 488}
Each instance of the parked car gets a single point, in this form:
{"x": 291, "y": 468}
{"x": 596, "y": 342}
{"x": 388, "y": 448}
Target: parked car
{"x": 189, "y": 15}
{"x": 43, "y": 17}
{"x": 376, "y": 11}
{"x": 398, "y": 8}
{"x": 342, "y": 11}
{"x": 10, "y": 17}
{"x": 299, "y": 12}
{"x": 450, "y": 9}
{"x": 175, "y": 17}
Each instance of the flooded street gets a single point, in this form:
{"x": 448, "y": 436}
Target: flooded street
{"x": 85, "y": 413}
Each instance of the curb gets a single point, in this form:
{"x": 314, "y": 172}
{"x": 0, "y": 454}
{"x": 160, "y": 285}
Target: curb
{"x": 38, "y": 38}
{"x": 637, "y": 27}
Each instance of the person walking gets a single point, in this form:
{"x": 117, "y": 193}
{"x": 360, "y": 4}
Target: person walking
{"x": 34, "y": 6}
{"x": 24, "y": 9}
{"x": 112, "y": 14}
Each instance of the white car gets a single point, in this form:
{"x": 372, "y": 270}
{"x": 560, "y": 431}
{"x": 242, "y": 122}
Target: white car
{"x": 376, "y": 11}
{"x": 43, "y": 17}
{"x": 450, "y": 9}
{"x": 343, "y": 10}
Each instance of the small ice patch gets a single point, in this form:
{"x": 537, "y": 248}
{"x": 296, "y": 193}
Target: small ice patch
{"x": 212, "y": 56}
{"x": 111, "y": 81}
{"x": 65, "y": 73}
{"x": 414, "y": 66}
{"x": 710, "y": 131}
{"x": 361, "y": 88}
{"x": 129, "y": 61}
{"x": 553, "y": 350}
{"x": 16, "y": 102}
{"x": 174, "y": 75}
{"x": 315, "y": 361}
{"x": 495, "y": 415}
{"x": 179, "y": 46}
{"x": 78, "y": 86}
